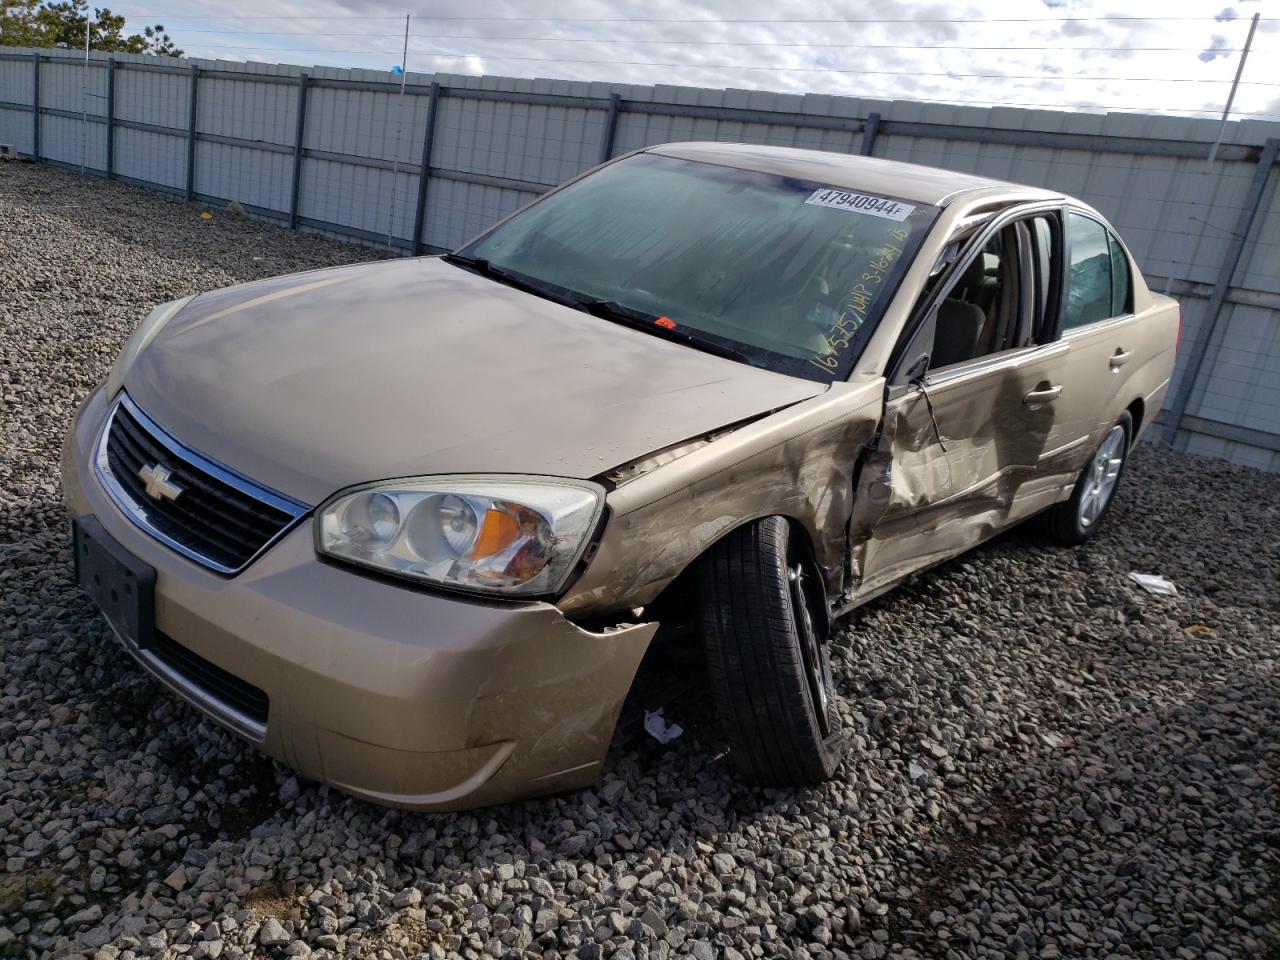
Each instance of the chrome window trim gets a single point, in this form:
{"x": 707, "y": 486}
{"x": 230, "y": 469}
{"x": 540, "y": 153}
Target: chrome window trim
{"x": 1013, "y": 357}
{"x": 1085, "y": 329}
{"x": 137, "y": 512}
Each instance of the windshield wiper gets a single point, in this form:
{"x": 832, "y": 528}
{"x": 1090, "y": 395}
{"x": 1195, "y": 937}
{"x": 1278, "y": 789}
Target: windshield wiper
{"x": 616, "y": 312}
{"x": 609, "y": 310}
{"x": 509, "y": 278}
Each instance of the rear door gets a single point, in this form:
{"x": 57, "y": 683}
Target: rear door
{"x": 1103, "y": 340}
{"x": 972, "y": 407}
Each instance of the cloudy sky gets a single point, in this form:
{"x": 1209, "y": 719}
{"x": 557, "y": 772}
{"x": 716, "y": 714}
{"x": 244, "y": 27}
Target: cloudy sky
{"x": 1160, "y": 56}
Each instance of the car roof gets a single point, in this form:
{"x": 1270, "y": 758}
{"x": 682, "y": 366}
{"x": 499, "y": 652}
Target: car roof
{"x": 893, "y": 178}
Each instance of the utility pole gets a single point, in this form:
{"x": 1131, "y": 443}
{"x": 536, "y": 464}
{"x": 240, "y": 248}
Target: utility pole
{"x": 1222, "y": 127}
{"x": 1235, "y": 84}
{"x": 395, "y": 160}
{"x": 84, "y": 89}
{"x": 1192, "y": 372}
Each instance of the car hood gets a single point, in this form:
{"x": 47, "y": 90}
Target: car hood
{"x": 313, "y": 382}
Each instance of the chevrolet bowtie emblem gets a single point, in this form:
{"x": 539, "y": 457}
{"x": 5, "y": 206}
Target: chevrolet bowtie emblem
{"x": 156, "y": 477}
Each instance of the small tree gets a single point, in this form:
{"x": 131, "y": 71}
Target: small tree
{"x": 32, "y": 23}
{"x": 158, "y": 42}
{"x": 18, "y": 26}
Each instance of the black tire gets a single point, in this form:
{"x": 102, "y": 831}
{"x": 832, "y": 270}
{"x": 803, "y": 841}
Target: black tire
{"x": 1063, "y": 522}
{"x": 772, "y": 691}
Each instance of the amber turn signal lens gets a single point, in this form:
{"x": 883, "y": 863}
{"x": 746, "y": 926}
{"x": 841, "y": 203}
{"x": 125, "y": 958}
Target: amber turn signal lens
{"x": 500, "y": 530}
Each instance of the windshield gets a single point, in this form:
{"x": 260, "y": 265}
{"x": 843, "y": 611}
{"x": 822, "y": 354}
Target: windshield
{"x": 787, "y": 274}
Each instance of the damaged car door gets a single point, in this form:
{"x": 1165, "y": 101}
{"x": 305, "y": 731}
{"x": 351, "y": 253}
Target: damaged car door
{"x": 970, "y": 405}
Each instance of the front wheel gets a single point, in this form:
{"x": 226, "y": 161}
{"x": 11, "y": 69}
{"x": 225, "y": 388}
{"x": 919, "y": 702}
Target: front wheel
{"x": 767, "y": 634}
{"x": 1077, "y": 520}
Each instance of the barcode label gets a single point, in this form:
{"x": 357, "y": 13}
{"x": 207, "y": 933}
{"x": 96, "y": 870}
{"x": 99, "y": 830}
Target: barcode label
{"x": 861, "y": 203}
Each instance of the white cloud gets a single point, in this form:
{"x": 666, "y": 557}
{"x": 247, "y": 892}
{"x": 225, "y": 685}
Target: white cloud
{"x": 999, "y": 51}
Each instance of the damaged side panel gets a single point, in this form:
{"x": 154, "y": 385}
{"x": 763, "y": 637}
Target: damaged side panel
{"x": 798, "y": 463}
{"x": 940, "y": 482}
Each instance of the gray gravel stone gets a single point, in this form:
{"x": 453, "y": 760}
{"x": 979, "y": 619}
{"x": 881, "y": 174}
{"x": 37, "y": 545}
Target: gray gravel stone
{"x": 271, "y": 933}
{"x": 1041, "y": 761}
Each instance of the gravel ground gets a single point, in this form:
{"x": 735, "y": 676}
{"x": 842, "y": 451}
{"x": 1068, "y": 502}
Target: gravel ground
{"x": 1043, "y": 761}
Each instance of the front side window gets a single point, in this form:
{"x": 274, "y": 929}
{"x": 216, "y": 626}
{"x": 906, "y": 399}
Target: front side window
{"x": 974, "y": 317}
{"x": 999, "y": 300}
{"x": 791, "y": 274}
{"x": 1089, "y": 283}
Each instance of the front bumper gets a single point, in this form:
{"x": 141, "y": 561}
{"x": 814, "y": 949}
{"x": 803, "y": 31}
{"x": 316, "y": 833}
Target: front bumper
{"x": 392, "y": 694}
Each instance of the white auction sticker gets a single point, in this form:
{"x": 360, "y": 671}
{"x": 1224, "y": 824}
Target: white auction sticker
{"x": 861, "y": 203}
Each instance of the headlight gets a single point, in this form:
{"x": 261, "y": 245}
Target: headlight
{"x": 137, "y": 342}
{"x": 512, "y": 536}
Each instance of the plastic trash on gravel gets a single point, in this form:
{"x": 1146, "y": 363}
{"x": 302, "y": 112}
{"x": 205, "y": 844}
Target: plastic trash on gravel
{"x": 655, "y": 724}
{"x": 1154, "y": 583}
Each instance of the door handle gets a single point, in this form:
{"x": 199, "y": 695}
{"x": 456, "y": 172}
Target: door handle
{"x": 1043, "y": 393}
{"x": 1120, "y": 358}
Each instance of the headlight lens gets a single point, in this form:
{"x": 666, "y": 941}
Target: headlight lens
{"x": 138, "y": 340}
{"x": 513, "y": 536}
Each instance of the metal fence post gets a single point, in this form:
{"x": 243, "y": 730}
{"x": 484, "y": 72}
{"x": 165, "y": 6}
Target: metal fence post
{"x": 1213, "y": 310}
{"x": 191, "y": 133}
{"x": 424, "y": 173}
{"x": 111, "y": 117}
{"x": 610, "y": 127}
{"x": 35, "y": 106}
{"x": 296, "y": 189}
{"x": 869, "y": 131}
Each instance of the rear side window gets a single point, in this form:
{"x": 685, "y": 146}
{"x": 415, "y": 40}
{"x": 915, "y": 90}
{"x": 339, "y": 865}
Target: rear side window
{"x": 1121, "y": 282}
{"x": 1089, "y": 283}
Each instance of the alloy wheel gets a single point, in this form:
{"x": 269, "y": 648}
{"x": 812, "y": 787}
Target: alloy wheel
{"x": 814, "y": 642}
{"x": 1101, "y": 476}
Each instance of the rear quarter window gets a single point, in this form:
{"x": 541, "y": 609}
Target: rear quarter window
{"x": 1121, "y": 279}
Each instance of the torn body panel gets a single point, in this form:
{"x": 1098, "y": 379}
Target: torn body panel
{"x": 798, "y": 463}
{"x": 939, "y": 482}
{"x": 652, "y": 461}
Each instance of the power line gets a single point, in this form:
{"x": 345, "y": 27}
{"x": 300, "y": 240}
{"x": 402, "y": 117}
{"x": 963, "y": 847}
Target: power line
{"x": 449, "y": 55}
{"x": 843, "y": 46}
{"x": 1054, "y": 77}
{"x": 802, "y": 44}
{"x": 849, "y": 20}
{"x": 310, "y": 18}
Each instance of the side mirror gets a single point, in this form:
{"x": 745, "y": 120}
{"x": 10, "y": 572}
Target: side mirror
{"x": 945, "y": 259}
{"x": 915, "y": 358}
{"x": 918, "y": 369}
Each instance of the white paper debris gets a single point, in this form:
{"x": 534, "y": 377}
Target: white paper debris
{"x": 658, "y": 728}
{"x": 1153, "y": 583}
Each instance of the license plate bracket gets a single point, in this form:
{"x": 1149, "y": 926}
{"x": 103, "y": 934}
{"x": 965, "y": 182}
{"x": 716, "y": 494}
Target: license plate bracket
{"x": 120, "y": 584}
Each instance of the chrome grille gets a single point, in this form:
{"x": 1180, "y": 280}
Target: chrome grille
{"x": 220, "y": 519}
